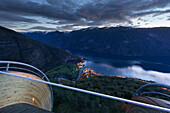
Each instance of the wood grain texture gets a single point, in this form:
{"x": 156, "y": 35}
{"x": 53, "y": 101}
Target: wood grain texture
{"x": 15, "y": 90}
{"x": 22, "y": 108}
{"x": 149, "y": 100}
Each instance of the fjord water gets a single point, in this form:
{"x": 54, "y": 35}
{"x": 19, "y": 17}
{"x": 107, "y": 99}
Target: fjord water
{"x": 143, "y": 68}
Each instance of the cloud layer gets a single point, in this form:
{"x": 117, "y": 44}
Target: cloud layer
{"x": 68, "y": 14}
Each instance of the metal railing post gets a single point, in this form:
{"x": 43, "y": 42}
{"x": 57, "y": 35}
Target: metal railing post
{"x": 7, "y": 67}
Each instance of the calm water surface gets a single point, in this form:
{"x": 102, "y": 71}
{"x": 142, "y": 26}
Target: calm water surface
{"x": 154, "y": 71}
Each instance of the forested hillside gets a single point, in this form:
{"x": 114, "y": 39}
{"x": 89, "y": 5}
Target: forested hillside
{"x": 17, "y": 47}
{"x": 67, "y": 101}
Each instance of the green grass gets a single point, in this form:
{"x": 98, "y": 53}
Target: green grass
{"x": 65, "y": 69}
{"x": 75, "y": 74}
{"x": 53, "y": 80}
{"x": 66, "y": 82}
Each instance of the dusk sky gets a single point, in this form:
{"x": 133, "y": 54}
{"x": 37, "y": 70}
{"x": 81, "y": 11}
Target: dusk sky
{"x": 68, "y": 15}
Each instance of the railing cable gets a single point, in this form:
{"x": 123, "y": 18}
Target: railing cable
{"x": 94, "y": 93}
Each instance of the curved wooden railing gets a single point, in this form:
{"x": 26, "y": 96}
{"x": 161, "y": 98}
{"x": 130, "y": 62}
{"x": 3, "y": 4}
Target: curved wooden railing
{"x": 12, "y": 66}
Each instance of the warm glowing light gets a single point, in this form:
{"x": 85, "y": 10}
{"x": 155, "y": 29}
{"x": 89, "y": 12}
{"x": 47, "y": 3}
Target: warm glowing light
{"x": 166, "y": 89}
{"x": 33, "y": 99}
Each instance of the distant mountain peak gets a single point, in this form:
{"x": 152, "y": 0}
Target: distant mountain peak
{"x": 112, "y": 41}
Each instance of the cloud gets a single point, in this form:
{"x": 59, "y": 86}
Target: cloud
{"x": 30, "y": 8}
{"x": 53, "y": 23}
{"x": 42, "y": 28}
{"x": 39, "y": 28}
{"x": 151, "y": 4}
{"x": 78, "y": 12}
{"x": 6, "y": 17}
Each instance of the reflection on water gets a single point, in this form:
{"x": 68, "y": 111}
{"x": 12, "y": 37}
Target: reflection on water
{"x": 154, "y": 68}
{"x": 130, "y": 71}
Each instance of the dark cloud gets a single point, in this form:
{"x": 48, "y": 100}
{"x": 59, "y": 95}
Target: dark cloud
{"x": 35, "y": 9}
{"x": 80, "y": 13}
{"x": 9, "y": 17}
{"x": 41, "y": 28}
{"x": 53, "y": 23}
{"x": 103, "y": 12}
{"x": 151, "y": 4}
{"x": 67, "y": 27}
{"x": 37, "y": 28}
{"x": 155, "y": 13}
{"x": 166, "y": 11}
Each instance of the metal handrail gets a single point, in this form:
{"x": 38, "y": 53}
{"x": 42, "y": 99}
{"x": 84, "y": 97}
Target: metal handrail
{"x": 23, "y": 64}
{"x": 155, "y": 93}
{"x": 94, "y": 93}
{"x": 149, "y": 85}
{"x": 18, "y": 68}
{"x": 41, "y": 75}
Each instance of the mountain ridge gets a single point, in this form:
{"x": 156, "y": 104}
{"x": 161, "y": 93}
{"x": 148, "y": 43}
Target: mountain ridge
{"x": 17, "y": 47}
{"x": 114, "y": 41}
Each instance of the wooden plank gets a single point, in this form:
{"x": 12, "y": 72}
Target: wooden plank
{"x": 131, "y": 108}
{"x": 22, "y": 108}
{"x": 15, "y": 90}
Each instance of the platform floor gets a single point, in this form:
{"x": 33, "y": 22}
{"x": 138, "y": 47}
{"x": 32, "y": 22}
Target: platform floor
{"x": 15, "y": 90}
{"x": 22, "y": 108}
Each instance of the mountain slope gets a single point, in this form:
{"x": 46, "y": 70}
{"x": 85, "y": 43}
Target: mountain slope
{"x": 17, "y": 47}
{"x": 115, "y": 41}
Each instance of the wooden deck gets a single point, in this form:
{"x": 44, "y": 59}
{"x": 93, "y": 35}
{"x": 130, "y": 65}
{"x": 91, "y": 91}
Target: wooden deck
{"x": 15, "y": 90}
{"x": 130, "y": 108}
{"x": 22, "y": 108}
{"x": 153, "y": 101}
